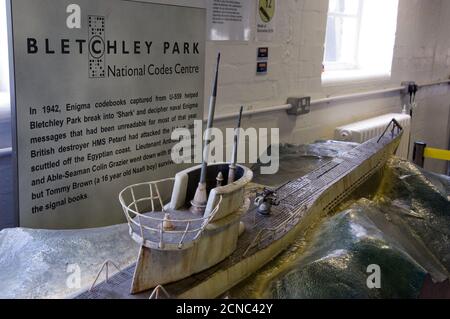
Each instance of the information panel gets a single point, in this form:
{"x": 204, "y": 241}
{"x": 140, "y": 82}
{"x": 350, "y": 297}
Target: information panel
{"x": 99, "y": 87}
{"x": 229, "y": 20}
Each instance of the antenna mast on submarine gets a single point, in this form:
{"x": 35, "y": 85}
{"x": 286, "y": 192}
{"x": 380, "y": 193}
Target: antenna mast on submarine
{"x": 232, "y": 170}
{"x": 201, "y": 197}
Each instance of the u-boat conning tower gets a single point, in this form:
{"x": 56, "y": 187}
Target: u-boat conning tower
{"x": 184, "y": 237}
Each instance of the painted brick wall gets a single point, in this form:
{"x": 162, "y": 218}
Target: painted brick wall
{"x": 422, "y": 54}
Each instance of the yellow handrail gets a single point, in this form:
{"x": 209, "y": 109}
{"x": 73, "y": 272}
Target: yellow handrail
{"x": 438, "y": 154}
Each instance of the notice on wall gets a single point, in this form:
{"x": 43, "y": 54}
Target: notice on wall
{"x": 99, "y": 87}
{"x": 229, "y": 20}
{"x": 265, "y": 20}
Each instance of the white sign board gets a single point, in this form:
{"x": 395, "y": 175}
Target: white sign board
{"x": 229, "y": 20}
{"x": 99, "y": 87}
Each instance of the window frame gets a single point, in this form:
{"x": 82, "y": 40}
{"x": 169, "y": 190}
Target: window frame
{"x": 342, "y": 66}
{"x": 340, "y": 72}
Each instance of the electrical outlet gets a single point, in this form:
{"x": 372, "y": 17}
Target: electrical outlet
{"x": 299, "y": 105}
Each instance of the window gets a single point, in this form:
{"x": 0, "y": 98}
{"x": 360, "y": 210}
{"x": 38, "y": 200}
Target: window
{"x": 4, "y": 66}
{"x": 360, "y": 39}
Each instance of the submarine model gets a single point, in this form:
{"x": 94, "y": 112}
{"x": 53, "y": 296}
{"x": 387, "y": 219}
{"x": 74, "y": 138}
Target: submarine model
{"x": 211, "y": 235}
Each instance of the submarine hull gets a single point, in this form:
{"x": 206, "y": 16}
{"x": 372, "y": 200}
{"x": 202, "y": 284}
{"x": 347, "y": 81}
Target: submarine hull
{"x": 304, "y": 202}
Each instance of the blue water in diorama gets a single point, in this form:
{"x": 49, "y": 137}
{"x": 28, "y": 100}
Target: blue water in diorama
{"x": 403, "y": 226}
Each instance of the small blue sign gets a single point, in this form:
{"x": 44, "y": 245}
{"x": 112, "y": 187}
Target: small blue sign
{"x": 261, "y": 67}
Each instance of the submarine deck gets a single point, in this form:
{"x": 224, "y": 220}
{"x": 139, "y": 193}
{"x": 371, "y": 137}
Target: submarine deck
{"x": 118, "y": 286}
{"x": 295, "y": 197}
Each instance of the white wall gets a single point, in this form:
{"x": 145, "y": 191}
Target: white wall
{"x": 422, "y": 54}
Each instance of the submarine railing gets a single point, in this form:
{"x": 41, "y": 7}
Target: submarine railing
{"x": 395, "y": 125}
{"x": 159, "y": 229}
{"x": 105, "y": 265}
{"x": 156, "y": 292}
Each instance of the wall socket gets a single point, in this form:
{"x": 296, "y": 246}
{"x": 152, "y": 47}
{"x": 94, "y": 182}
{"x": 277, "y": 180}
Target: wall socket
{"x": 299, "y": 105}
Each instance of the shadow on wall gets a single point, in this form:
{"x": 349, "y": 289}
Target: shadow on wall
{"x": 6, "y": 203}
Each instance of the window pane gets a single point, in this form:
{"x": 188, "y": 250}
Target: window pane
{"x": 344, "y": 6}
{"x": 357, "y": 44}
{"x": 376, "y": 45}
{"x": 341, "y": 39}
